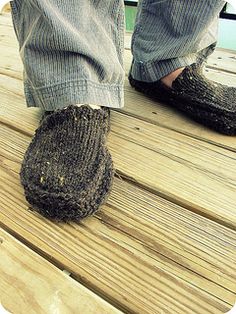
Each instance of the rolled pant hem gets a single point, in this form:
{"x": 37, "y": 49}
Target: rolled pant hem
{"x": 74, "y": 92}
{"x": 155, "y": 70}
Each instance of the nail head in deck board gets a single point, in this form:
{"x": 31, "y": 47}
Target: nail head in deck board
{"x": 37, "y": 286}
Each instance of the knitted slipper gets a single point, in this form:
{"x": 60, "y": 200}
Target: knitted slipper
{"x": 207, "y": 102}
{"x": 67, "y": 171}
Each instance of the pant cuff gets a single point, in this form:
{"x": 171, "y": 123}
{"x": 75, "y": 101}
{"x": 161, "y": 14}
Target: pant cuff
{"x": 74, "y": 92}
{"x": 155, "y": 70}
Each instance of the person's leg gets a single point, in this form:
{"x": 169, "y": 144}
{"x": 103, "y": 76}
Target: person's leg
{"x": 171, "y": 40}
{"x": 72, "y": 52}
{"x": 169, "y": 34}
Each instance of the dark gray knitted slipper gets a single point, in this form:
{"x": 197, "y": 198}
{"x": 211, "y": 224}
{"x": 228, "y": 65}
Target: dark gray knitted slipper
{"x": 205, "y": 101}
{"x": 67, "y": 171}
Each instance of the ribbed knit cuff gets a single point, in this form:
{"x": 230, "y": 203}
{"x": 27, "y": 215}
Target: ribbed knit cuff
{"x": 74, "y": 92}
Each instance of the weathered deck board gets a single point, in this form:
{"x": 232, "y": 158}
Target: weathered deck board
{"x": 141, "y": 252}
{"x": 138, "y": 242}
{"x": 173, "y": 161}
{"x": 37, "y": 286}
{"x": 187, "y": 171}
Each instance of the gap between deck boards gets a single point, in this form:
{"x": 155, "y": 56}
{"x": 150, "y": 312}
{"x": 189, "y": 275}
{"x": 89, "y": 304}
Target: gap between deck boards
{"x": 61, "y": 266}
{"x": 107, "y": 219}
{"x": 10, "y": 113}
{"x": 145, "y": 108}
{"x": 133, "y": 138}
{"x": 59, "y": 291}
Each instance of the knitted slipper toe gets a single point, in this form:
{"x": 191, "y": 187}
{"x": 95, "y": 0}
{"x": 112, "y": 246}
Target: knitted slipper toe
{"x": 67, "y": 170}
{"x": 71, "y": 207}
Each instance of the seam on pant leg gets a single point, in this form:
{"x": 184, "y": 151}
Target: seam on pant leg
{"x": 138, "y": 22}
{"x": 15, "y": 6}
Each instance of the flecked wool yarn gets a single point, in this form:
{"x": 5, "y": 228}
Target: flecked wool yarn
{"x": 67, "y": 171}
{"x": 207, "y": 102}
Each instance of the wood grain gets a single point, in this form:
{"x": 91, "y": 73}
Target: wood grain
{"x": 37, "y": 286}
{"x": 137, "y": 243}
{"x": 185, "y": 170}
{"x": 224, "y": 60}
{"x": 192, "y": 173}
{"x": 141, "y": 252}
{"x": 6, "y": 20}
{"x": 136, "y": 105}
{"x": 5, "y": 8}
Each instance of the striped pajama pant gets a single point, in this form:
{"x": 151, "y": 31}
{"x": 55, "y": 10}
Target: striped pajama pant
{"x": 72, "y": 50}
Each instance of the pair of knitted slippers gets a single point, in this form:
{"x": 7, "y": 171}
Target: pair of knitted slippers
{"x": 67, "y": 171}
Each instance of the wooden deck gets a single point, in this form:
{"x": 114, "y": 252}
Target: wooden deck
{"x": 165, "y": 242}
